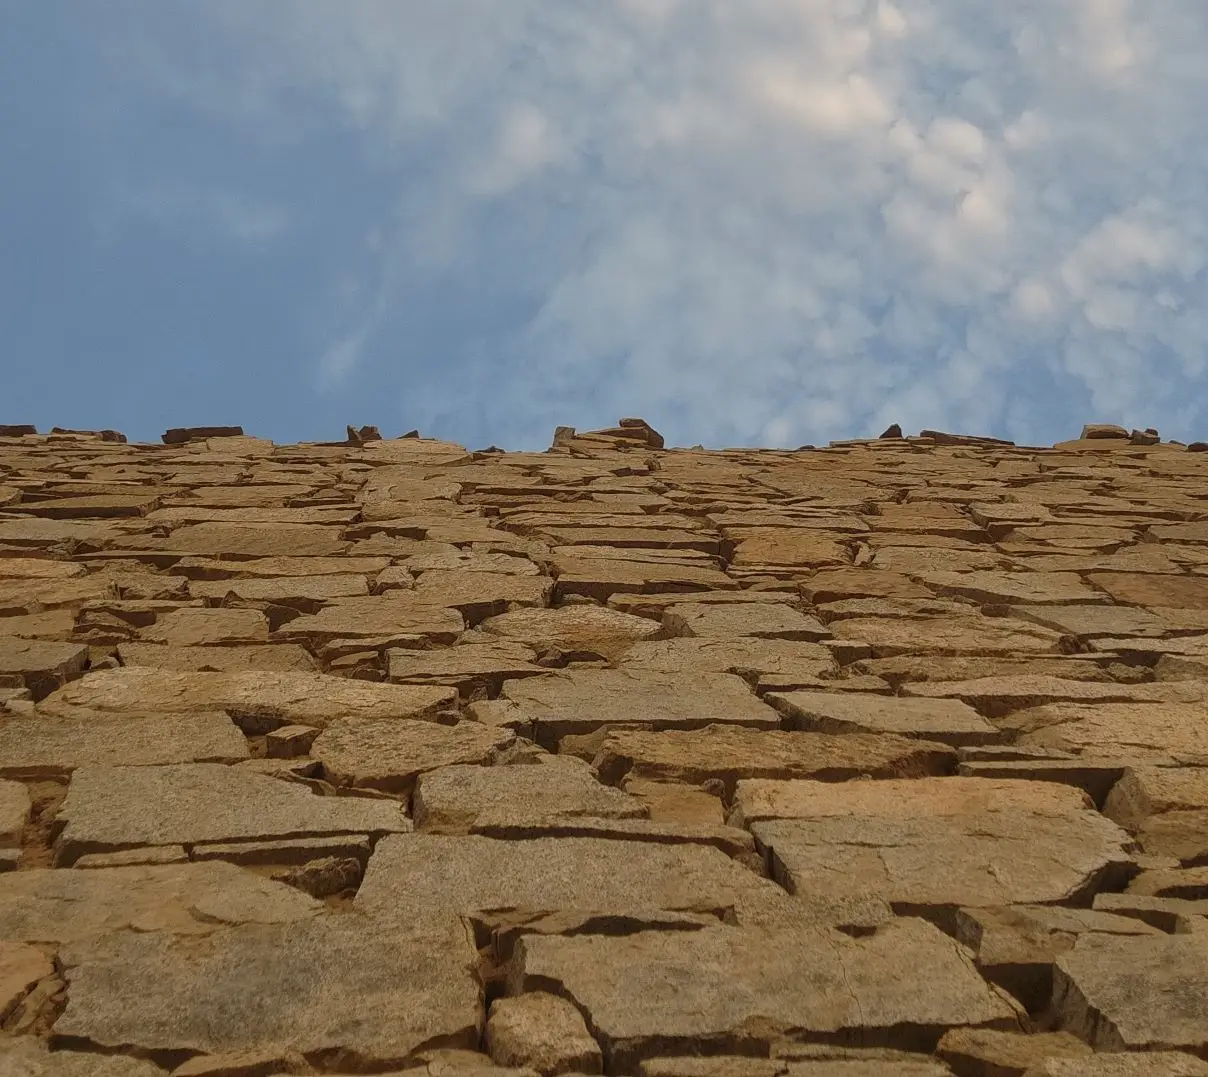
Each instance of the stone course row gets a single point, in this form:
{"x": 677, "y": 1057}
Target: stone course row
{"x": 385, "y": 756}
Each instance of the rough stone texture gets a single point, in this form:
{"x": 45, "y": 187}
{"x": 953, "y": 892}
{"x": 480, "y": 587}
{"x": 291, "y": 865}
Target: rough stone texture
{"x": 106, "y": 809}
{"x": 543, "y": 1032}
{"x": 468, "y": 800}
{"x": 1144, "y": 993}
{"x": 258, "y": 700}
{"x": 948, "y": 721}
{"x": 65, "y": 905}
{"x": 702, "y": 730}
{"x": 585, "y": 700}
{"x": 311, "y": 984}
{"x": 389, "y": 754}
{"x": 935, "y": 843}
{"x": 43, "y": 747}
{"x": 729, "y": 988}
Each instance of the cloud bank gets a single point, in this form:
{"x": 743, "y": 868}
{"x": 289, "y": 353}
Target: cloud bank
{"x": 773, "y": 222}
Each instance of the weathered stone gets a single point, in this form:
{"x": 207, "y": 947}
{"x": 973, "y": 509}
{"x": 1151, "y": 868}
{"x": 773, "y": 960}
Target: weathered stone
{"x": 947, "y": 721}
{"x": 27, "y": 1056}
{"x": 716, "y": 621}
{"x": 576, "y": 631}
{"x": 768, "y": 662}
{"x": 390, "y": 754}
{"x": 517, "y": 882}
{"x": 398, "y": 618}
{"x": 57, "y": 906}
{"x": 467, "y": 667}
{"x": 257, "y": 700}
{"x": 106, "y": 809}
{"x": 1147, "y": 589}
{"x": 39, "y": 666}
{"x": 275, "y": 657}
{"x": 311, "y": 984}
{"x": 468, "y": 799}
{"x": 1136, "y": 732}
{"x": 999, "y": 696}
{"x": 737, "y": 989}
{"x": 1145, "y": 993}
{"x": 1150, "y": 1064}
{"x": 599, "y": 577}
{"x": 585, "y": 700}
{"x": 947, "y": 635}
{"x": 935, "y": 843}
{"x": 290, "y": 852}
{"x": 178, "y": 435}
{"x": 1016, "y": 946}
{"x": 21, "y": 967}
{"x": 479, "y": 595}
{"x": 235, "y": 541}
{"x": 45, "y": 747}
{"x": 152, "y": 854}
{"x": 1103, "y": 430}
{"x": 14, "y": 811}
{"x": 1024, "y": 587}
{"x": 543, "y": 1032}
{"x": 200, "y": 627}
{"x": 983, "y": 1052}
{"x": 729, "y": 753}
{"x": 835, "y": 585}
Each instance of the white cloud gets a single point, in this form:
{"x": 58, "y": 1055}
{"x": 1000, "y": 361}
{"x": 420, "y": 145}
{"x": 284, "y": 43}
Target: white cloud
{"x": 780, "y": 220}
{"x": 210, "y": 211}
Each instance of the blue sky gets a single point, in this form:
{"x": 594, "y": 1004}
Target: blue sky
{"x": 772, "y": 222}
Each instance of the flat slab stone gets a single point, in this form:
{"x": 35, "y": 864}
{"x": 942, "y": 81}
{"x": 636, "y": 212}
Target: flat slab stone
{"x": 600, "y": 577}
{"x": 389, "y": 754}
{"x": 932, "y": 843}
{"x": 1087, "y": 621}
{"x": 482, "y": 594}
{"x": 44, "y": 747}
{"x": 468, "y": 799}
{"x": 1150, "y": 589}
{"x": 1135, "y": 994}
{"x": 39, "y": 665}
{"x": 730, "y": 753}
{"x": 947, "y": 635}
{"x": 581, "y": 631}
{"x": 947, "y": 721}
{"x": 719, "y": 621}
{"x": 38, "y": 568}
{"x": 795, "y": 547}
{"x": 26, "y": 1056}
{"x": 189, "y": 627}
{"x": 47, "y": 905}
{"x": 1136, "y": 732}
{"x": 309, "y": 984}
{"x": 998, "y": 696}
{"x": 1146, "y": 791}
{"x": 734, "y": 989}
{"x": 581, "y": 701}
{"x": 300, "y": 591}
{"x": 465, "y": 667}
{"x": 258, "y": 700}
{"x": 1149, "y": 1064}
{"x": 277, "y": 657}
{"x": 14, "y": 811}
{"x": 234, "y": 541}
{"x": 1034, "y": 588}
{"x": 518, "y": 881}
{"x": 781, "y": 661}
{"x": 107, "y": 809}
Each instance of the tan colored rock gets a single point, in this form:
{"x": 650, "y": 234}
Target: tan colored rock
{"x": 786, "y": 546}
{"x": 479, "y": 595}
{"x": 1148, "y": 589}
{"x": 736, "y": 988}
{"x": 38, "y": 568}
{"x": 1134, "y": 732}
{"x": 577, "y": 631}
{"x": 272, "y": 657}
{"x": 397, "y": 615}
{"x": 946, "y": 721}
{"x": 543, "y": 1032}
{"x": 257, "y": 700}
{"x": 41, "y": 748}
{"x": 599, "y": 577}
{"x": 14, "y": 811}
{"x": 1036, "y": 588}
{"x": 310, "y": 984}
{"x": 28, "y": 1056}
{"x": 1149, "y": 1064}
{"x": 390, "y": 754}
{"x": 201, "y": 627}
{"x": 948, "y": 635}
{"x": 716, "y": 621}
{"x": 585, "y": 700}
{"x": 1140, "y": 994}
{"x": 494, "y": 800}
{"x": 106, "y": 809}
{"x": 21, "y": 967}
{"x": 730, "y": 753}
{"x": 235, "y": 541}
{"x": 57, "y": 906}
{"x": 39, "y": 666}
{"x": 932, "y": 843}
{"x": 981, "y": 1052}
{"x": 467, "y": 668}
{"x": 300, "y": 592}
